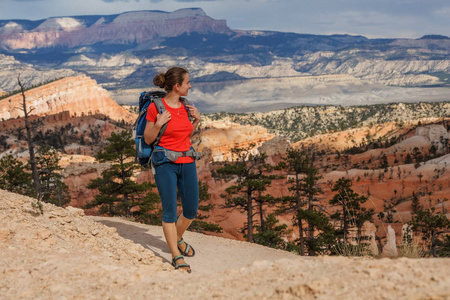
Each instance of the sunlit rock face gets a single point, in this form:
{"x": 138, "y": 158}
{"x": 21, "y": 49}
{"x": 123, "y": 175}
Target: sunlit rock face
{"x": 79, "y": 95}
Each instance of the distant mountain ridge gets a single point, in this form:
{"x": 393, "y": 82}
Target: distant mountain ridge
{"x": 190, "y": 29}
{"x": 70, "y": 32}
{"x": 123, "y": 52}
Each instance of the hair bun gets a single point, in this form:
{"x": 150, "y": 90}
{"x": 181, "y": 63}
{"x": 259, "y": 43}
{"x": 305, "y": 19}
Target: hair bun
{"x": 159, "y": 80}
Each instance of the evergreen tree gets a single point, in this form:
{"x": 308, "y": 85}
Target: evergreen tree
{"x": 296, "y": 164}
{"x": 444, "y": 247}
{"x": 198, "y": 224}
{"x": 304, "y": 187}
{"x": 53, "y": 188}
{"x": 415, "y": 204}
{"x": 270, "y": 236}
{"x": 408, "y": 159}
{"x": 384, "y": 164}
{"x": 118, "y": 193}
{"x": 431, "y": 225}
{"x": 248, "y": 169}
{"x": 351, "y": 214}
{"x": 325, "y": 234}
{"x": 14, "y": 178}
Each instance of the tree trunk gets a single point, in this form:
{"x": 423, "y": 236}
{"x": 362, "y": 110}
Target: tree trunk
{"x": 261, "y": 217}
{"x": 249, "y": 217}
{"x": 345, "y": 225}
{"x": 433, "y": 244}
{"x": 301, "y": 238}
{"x": 299, "y": 220}
{"x": 34, "y": 172}
{"x": 311, "y": 251}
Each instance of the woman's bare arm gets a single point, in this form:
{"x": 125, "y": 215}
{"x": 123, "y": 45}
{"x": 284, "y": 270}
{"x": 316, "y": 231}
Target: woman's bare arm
{"x": 152, "y": 129}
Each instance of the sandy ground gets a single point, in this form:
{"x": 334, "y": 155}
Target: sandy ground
{"x": 213, "y": 254}
{"x": 62, "y": 254}
{"x": 224, "y": 269}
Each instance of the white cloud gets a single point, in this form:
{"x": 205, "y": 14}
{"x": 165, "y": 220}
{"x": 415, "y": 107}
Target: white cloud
{"x": 444, "y": 11}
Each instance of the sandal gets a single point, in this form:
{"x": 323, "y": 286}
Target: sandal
{"x": 185, "y": 265}
{"x": 186, "y": 251}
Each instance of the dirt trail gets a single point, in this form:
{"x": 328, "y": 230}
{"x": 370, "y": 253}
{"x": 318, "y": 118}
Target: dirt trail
{"x": 62, "y": 254}
{"x": 213, "y": 254}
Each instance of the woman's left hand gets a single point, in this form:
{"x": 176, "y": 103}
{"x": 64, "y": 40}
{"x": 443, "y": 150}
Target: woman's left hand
{"x": 194, "y": 112}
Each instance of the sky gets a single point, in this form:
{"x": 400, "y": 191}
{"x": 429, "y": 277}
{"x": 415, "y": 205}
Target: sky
{"x": 370, "y": 18}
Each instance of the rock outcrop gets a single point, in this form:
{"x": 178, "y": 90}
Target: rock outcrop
{"x": 79, "y": 95}
{"x": 390, "y": 249}
{"x": 221, "y": 137}
{"x": 59, "y": 230}
{"x": 370, "y": 231}
{"x": 77, "y": 175}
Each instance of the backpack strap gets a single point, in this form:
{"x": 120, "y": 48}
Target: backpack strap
{"x": 160, "y": 109}
{"x": 186, "y": 102}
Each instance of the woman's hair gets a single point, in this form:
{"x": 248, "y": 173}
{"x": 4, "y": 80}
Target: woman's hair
{"x": 167, "y": 80}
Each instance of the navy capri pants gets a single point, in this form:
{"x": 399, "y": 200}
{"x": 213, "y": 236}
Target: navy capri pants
{"x": 168, "y": 177}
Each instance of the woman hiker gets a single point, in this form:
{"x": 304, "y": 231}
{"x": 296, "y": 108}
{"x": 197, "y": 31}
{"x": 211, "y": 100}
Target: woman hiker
{"x": 180, "y": 173}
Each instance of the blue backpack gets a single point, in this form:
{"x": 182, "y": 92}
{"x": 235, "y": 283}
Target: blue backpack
{"x": 144, "y": 151}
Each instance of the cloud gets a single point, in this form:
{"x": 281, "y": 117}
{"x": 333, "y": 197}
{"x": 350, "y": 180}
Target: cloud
{"x": 444, "y": 11}
{"x": 138, "y": 1}
{"x": 109, "y": 1}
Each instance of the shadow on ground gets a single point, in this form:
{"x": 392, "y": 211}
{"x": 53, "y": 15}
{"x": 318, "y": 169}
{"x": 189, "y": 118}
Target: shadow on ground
{"x": 155, "y": 243}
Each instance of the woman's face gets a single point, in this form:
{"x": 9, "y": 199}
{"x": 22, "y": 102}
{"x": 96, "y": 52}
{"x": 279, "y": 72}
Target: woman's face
{"x": 185, "y": 86}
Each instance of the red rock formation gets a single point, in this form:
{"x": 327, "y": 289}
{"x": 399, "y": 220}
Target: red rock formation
{"x": 77, "y": 176}
{"x": 79, "y": 95}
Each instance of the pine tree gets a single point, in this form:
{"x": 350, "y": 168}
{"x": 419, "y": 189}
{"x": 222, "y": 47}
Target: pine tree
{"x": 198, "y": 225}
{"x": 296, "y": 164}
{"x": 444, "y": 247}
{"x": 431, "y": 225}
{"x": 384, "y": 164}
{"x": 271, "y": 235}
{"x": 304, "y": 186}
{"x": 118, "y": 193}
{"x": 248, "y": 169}
{"x": 53, "y": 188}
{"x": 415, "y": 204}
{"x": 14, "y": 177}
{"x": 351, "y": 214}
{"x": 324, "y": 236}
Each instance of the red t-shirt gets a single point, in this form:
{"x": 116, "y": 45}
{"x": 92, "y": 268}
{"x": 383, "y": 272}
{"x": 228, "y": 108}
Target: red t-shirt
{"x": 177, "y": 136}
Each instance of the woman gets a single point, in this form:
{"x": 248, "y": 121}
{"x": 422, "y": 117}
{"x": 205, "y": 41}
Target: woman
{"x": 182, "y": 173}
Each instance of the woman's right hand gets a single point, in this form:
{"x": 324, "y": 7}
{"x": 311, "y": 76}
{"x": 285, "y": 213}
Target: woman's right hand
{"x": 163, "y": 118}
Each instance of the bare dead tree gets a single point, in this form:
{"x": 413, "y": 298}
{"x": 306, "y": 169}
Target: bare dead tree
{"x": 31, "y": 147}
